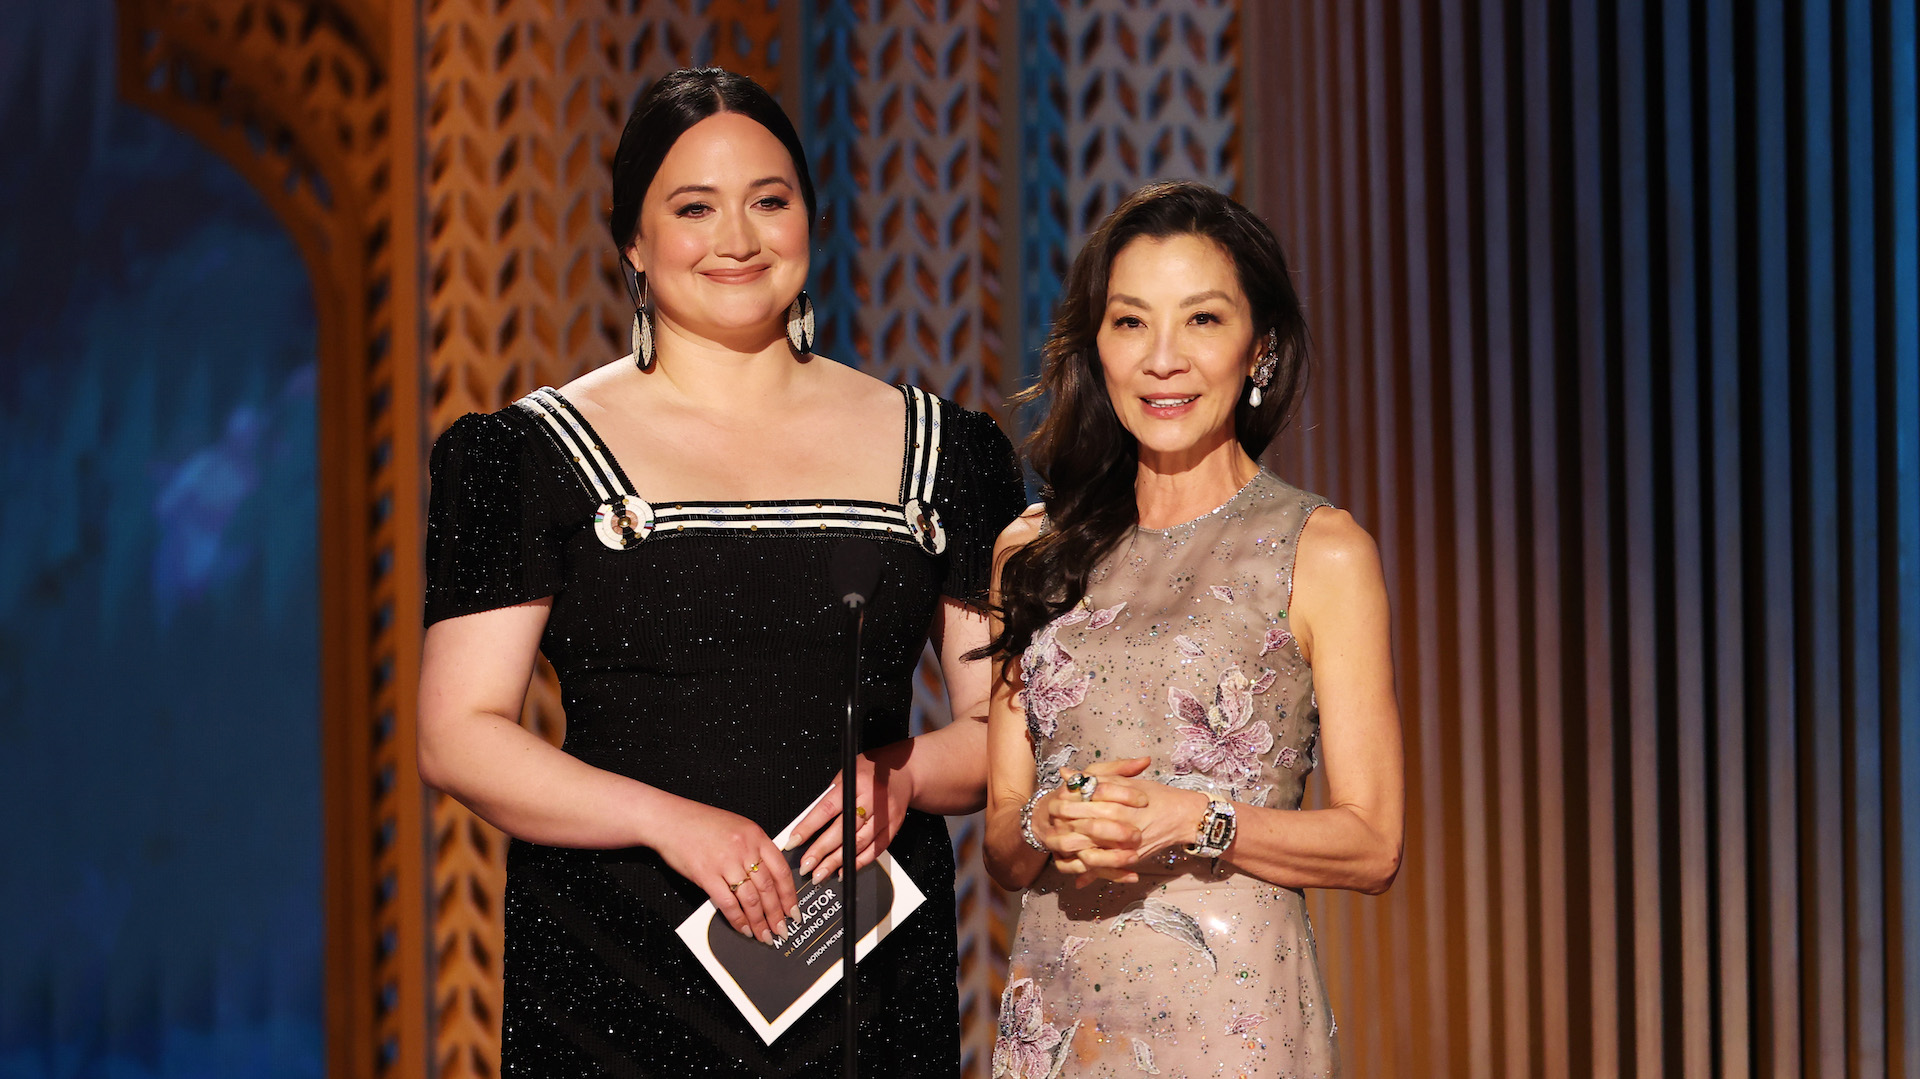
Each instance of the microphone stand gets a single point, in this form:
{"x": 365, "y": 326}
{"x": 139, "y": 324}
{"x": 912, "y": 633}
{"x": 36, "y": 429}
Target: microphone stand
{"x": 854, "y": 573}
{"x": 849, "y": 824}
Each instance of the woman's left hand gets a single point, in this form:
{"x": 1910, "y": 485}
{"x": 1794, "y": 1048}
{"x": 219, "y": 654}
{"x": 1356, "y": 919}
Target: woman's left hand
{"x": 883, "y": 789}
{"x": 1164, "y": 817}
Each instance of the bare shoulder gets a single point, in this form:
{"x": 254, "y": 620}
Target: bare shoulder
{"x": 849, "y": 382}
{"x": 1022, "y": 530}
{"x": 1333, "y": 542}
{"x": 1338, "y": 583}
{"x": 591, "y": 388}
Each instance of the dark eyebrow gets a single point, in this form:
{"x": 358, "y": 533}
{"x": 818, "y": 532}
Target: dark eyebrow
{"x": 709, "y": 189}
{"x": 1210, "y": 294}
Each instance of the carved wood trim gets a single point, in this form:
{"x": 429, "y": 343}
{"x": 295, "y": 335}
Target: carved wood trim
{"x": 299, "y": 97}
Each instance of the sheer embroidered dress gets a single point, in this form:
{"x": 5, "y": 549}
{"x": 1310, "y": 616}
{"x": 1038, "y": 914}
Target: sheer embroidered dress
{"x": 1181, "y": 652}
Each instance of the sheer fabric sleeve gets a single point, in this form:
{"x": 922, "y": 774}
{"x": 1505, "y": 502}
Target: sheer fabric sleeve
{"x": 980, "y": 492}
{"x": 492, "y": 539}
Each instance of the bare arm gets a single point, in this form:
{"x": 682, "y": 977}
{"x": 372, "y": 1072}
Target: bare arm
{"x": 942, "y": 771}
{"x": 1344, "y": 627}
{"x": 1339, "y": 612}
{"x": 473, "y": 681}
{"x": 1012, "y": 862}
{"x": 949, "y": 766}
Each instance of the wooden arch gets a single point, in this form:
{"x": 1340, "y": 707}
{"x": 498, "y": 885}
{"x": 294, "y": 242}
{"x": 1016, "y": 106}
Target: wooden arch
{"x": 300, "y": 97}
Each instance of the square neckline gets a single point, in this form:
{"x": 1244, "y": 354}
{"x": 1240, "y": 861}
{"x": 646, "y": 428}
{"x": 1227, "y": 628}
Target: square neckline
{"x": 909, "y": 445}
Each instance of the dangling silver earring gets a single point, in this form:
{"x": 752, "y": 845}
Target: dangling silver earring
{"x": 643, "y": 332}
{"x": 1263, "y": 371}
{"x": 800, "y": 324}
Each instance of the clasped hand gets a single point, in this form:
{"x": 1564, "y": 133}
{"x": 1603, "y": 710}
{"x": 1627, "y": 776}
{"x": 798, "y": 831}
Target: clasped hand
{"x": 1126, "y": 822}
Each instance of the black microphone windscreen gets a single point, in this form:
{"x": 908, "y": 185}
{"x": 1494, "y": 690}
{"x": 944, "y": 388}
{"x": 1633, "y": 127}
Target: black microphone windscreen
{"x": 854, "y": 571}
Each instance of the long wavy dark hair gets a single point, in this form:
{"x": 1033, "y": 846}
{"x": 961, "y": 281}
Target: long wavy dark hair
{"x": 1086, "y": 459}
{"x": 675, "y": 102}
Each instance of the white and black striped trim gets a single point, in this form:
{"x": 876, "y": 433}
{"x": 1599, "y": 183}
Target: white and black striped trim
{"x": 576, "y": 439}
{"x": 914, "y": 520}
{"x": 622, "y": 518}
{"x": 923, "y": 445}
{"x": 923, "y": 450}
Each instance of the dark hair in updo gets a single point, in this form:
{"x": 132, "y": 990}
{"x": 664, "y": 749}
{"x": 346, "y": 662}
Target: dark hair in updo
{"x": 1086, "y": 459}
{"x": 675, "y": 102}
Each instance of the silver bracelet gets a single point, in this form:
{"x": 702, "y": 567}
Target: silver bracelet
{"x": 1026, "y": 820}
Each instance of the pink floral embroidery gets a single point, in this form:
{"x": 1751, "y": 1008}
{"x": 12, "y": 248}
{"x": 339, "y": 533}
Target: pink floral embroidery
{"x": 1027, "y": 1044}
{"x": 1221, "y": 592}
{"x": 1103, "y": 618}
{"x": 1053, "y": 684}
{"x": 1242, "y": 1025}
{"x": 1275, "y": 638}
{"x": 1221, "y": 741}
{"x": 1265, "y": 681}
{"x": 1189, "y": 647}
{"x": 1289, "y": 757}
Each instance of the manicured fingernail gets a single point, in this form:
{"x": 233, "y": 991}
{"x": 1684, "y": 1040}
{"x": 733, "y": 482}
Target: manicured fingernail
{"x": 806, "y": 865}
{"x": 742, "y": 930}
{"x": 793, "y": 913}
{"x": 766, "y": 937}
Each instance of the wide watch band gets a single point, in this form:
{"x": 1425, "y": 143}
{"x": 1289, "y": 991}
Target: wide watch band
{"x": 1217, "y": 829}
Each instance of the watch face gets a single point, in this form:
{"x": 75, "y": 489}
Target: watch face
{"x": 1218, "y": 828}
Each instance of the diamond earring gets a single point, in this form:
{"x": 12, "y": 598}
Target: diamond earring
{"x": 1263, "y": 370}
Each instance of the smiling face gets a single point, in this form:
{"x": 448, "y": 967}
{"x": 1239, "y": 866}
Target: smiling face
{"x": 723, "y": 233}
{"x": 1176, "y": 345}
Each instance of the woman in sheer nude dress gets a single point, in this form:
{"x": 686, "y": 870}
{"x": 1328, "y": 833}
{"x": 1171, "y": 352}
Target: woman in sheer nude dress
{"x": 1181, "y": 638}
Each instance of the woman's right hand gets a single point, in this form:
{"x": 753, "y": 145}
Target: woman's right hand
{"x": 1068, "y": 826}
{"x": 731, "y": 859}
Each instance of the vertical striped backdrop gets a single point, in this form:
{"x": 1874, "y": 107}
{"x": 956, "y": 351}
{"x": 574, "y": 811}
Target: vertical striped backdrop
{"x": 1616, "y": 308}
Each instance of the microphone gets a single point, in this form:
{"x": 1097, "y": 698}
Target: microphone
{"x": 854, "y": 571}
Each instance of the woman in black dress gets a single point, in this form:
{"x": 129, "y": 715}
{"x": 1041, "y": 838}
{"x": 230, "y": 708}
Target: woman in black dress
{"x": 660, "y": 529}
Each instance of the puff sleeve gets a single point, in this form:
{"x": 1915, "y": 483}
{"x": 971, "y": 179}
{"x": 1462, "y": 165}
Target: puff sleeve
{"x": 981, "y": 491}
{"x": 492, "y": 539}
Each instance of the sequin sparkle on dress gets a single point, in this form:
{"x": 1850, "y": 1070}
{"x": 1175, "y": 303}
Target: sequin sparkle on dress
{"x": 1181, "y": 652}
{"x": 699, "y": 650}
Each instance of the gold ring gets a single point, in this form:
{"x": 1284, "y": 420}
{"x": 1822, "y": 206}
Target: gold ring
{"x": 735, "y": 887}
{"x": 860, "y": 811}
{"x": 751, "y": 870}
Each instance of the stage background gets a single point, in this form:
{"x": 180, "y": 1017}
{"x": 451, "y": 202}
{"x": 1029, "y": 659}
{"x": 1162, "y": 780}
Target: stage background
{"x": 160, "y": 909}
{"x": 1617, "y": 308}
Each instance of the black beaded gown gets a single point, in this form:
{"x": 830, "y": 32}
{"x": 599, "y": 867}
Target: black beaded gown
{"x": 698, "y": 651}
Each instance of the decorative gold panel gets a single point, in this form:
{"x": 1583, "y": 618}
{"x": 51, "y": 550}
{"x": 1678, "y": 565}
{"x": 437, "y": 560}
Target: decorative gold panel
{"x": 299, "y": 97}
{"x": 525, "y": 102}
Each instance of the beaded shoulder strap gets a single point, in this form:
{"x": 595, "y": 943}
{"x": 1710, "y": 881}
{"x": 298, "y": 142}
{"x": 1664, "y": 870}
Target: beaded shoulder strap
{"x": 623, "y": 518}
{"x": 923, "y": 451}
